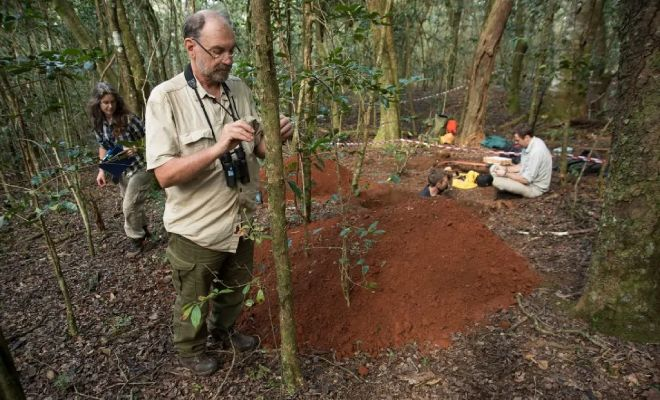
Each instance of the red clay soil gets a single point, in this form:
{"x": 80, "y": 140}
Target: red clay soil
{"x": 438, "y": 270}
{"x": 324, "y": 178}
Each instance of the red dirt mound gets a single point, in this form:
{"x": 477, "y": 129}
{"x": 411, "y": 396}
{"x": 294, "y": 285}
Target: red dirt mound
{"x": 324, "y": 178}
{"x": 438, "y": 270}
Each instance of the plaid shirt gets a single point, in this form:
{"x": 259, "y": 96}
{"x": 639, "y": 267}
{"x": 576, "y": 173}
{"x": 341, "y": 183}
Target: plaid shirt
{"x": 133, "y": 132}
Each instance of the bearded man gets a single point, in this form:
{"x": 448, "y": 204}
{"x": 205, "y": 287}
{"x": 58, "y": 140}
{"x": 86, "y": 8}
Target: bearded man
{"x": 202, "y": 142}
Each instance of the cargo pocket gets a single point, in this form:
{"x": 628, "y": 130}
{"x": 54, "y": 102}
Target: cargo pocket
{"x": 180, "y": 269}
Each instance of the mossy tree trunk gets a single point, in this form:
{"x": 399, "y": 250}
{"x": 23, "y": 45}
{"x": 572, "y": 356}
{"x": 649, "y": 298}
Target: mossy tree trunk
{"x": 542, "y": 70}
{"x": 474, "y": 113}
{"x": 133, "y": 101}
{"x": 156, "y": 65}
{"x": 513, "y": 95}
{"x": 622, "y": 296}
{"x": 600, "y": 79}
{"x": 571, "y": 100}
{"x": 133, "y": 55}
{"x": 266, "y": 77}
{"x": 455, "y": 15}
{"x": 10, "y": 383}
{"x": 306, "y": 111}
{"x": 389, "y": 128}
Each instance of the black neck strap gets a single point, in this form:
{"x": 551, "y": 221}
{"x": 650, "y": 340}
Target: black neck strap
{"x": 192, "y": 82}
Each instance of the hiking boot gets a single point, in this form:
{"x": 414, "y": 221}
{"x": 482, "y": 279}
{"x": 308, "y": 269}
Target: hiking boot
{"x": 233, "y": 339}
{"x": 137, "y": 247}
{"x": 202, "y": 365}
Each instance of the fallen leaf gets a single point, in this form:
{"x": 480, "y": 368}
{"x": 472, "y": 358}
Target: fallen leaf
{"x": 632, "y": 380}
{"x": 50, "y": 374}
{"x": 433, "y": 381}
{"x": 417, "y": 378}
{"x": 519, "y": 376}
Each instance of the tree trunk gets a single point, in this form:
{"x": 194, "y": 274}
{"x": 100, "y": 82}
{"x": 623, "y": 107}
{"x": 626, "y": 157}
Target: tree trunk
{"x": 306, "y": 111}
{"x": 455, "y": 26}
{"x": 622, "y": 296}
{"x": 600, "y": 78}
{"x": 542, "y": 70}
{"x": 513, "y": 98}
{"x": 266, "y": 77}
{"x": 156, "y": 60}
{"x": 571, "y": 100}
{"x": 177, "y": 39}
{"x": 133, "y": 101}
{"x": 389, "y": 128}
{"x": 10, "y": 383}
{"x": 70, "y": 18}
{"x": 474, "y": 113}
{"x": 133, "y": 56}
{"x": 72, "y": 326}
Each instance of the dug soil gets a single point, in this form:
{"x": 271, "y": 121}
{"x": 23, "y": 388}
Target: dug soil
{"x": 435, "y": 270}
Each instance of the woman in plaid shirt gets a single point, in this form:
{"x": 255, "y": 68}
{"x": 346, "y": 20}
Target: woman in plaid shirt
{"x": 114, "y": 125}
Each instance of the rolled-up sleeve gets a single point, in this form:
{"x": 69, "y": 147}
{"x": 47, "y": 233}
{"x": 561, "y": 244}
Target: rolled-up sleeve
{"x": 161, "y": 139}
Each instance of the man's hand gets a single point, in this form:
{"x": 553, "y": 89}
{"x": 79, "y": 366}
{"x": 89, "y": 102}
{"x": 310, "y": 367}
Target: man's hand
{"x": 100, "y": 178}
{"x": 500, "y": 171}
{"x": 235, "y": 133}
{"x": 286, "y": 128}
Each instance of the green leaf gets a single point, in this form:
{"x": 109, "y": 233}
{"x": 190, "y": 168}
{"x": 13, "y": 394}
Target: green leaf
{"x": 260, "y": 297}
{"x": 373, "y": 226}
{"x": 394, "y": 178}
{"x": 295, "y": 189}
{"x": 187, "y": 309}
{"x": 371, "y": 285}
{"x": 246, "y": 289}
{"x": 344, "y": 232}
{"x": 249, "y": 303}
{"x": 365, "y": 269}
{"x": 316, "y": 231}
{"x": 69, "y": 206}
{"x": 379, "y": 232}
{"x": 196, "y": 315}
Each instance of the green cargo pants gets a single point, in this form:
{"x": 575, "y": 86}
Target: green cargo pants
{"x": 195, "y": 272}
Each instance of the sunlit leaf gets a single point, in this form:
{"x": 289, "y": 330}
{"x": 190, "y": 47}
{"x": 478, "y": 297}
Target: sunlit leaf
{"x": 196, "y": 315}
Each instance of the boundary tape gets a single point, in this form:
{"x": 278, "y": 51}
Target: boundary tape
{"x": 464, "y": 149}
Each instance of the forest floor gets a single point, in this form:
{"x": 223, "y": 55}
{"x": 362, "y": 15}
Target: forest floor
{"x": 467, "y": 296}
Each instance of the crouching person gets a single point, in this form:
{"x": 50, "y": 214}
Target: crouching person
{"x": 531, "y": 178}
{"x": 439, "y": 181}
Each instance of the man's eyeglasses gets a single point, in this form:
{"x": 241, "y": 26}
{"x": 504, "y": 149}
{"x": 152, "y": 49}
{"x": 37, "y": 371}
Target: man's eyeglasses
{"x": 214, "y": 54}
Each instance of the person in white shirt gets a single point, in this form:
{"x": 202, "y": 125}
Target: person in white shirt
{"x": 531, "y": 178}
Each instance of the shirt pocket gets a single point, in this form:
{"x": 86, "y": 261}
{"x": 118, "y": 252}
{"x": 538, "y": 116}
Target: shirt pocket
{"x": 195, "y": 141}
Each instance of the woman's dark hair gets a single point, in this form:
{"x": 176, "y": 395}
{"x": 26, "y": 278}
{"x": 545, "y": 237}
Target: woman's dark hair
{"x": 120, "y": 115}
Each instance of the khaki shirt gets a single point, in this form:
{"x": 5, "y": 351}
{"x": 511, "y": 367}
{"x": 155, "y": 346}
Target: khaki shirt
{"x": 204, "y": 210}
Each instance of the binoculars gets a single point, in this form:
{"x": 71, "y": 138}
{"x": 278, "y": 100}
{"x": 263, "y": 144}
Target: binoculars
{"x": 236, "y": 169}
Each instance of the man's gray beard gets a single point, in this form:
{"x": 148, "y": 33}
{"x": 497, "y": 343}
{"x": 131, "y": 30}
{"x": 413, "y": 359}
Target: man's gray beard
{"x": 218, "y": 76}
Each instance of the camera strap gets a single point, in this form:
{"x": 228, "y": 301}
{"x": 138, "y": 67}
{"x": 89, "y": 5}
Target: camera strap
{"x": 232, "y": 111}
{"x": 192, "y": 82}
